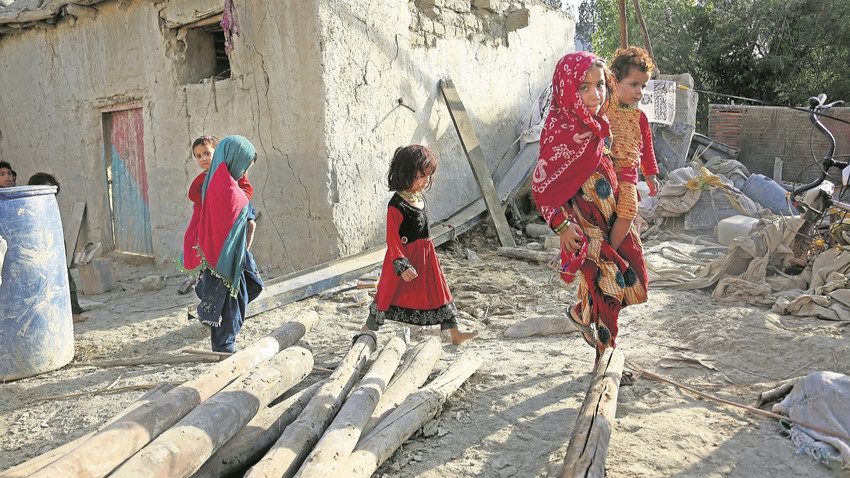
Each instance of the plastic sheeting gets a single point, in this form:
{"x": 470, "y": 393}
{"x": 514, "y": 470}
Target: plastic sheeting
{"x": 821, "y": 399}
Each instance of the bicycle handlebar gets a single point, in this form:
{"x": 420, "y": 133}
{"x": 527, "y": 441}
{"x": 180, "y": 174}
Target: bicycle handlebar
{"x": 816, "y": 105}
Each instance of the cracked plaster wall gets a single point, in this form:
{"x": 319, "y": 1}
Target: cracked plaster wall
{"x": 315, "y": 87}
{"x": 374, "y": 55}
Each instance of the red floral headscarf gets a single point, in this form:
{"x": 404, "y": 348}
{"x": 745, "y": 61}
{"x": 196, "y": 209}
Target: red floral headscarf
{"x": 572, "y": 139}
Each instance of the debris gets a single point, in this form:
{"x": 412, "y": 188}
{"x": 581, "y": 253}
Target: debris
{"x": 541, "y": 326}
{"x": 538, "y": 230}
{"x": 521, "y": 253}
{"x": 152, "y": 283}
{"x": 679, "y": 360}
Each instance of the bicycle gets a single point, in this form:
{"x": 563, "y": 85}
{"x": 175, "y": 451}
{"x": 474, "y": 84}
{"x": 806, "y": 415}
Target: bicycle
{"x": 826, "y": 222}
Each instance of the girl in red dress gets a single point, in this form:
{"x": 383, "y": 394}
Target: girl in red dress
{"x": 412, "y": 288}
{"x": 575, "y": 188}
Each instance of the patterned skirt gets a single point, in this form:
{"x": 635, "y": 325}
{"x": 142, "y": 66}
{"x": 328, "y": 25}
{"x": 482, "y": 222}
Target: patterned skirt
{"x": 608, "y": 279}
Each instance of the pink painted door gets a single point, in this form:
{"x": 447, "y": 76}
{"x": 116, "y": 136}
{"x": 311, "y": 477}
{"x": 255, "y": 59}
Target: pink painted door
{"x": 127, "y": 182}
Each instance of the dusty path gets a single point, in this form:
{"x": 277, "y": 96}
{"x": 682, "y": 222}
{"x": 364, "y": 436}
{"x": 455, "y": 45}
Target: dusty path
{"x": 515, "y": 416}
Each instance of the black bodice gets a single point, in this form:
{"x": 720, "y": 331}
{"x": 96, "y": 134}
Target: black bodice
{"x": 414, "y": 223}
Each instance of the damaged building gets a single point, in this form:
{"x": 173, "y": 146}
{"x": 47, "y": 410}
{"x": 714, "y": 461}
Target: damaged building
{"x": 108, "y": 95}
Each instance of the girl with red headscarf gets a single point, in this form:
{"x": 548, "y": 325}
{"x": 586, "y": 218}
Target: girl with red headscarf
{"x": 575, "y": 188}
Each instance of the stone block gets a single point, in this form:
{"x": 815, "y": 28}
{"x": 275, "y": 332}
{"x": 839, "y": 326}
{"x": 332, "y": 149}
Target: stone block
{"x": 517, "y": 20}
{"x": 152, "y": 283}
{"x": 483, "y": 4}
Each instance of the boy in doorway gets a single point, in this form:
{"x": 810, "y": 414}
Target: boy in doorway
{"x": 7, "y": 175}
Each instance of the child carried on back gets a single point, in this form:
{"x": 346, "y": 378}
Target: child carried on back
{"x": 631, "y": 138}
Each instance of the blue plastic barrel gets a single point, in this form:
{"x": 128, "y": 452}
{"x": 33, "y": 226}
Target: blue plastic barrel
{"x": 768, "y": 193}
{"x": 36, "y": 326}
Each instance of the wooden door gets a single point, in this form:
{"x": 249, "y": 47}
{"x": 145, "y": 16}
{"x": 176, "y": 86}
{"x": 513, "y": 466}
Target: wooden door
{"x": 127, "y": 182}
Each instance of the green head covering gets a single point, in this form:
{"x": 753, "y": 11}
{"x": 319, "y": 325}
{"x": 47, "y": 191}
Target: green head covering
{"x": 234, "y": 151}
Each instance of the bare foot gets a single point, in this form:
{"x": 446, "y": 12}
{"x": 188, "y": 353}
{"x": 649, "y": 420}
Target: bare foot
{"x": 459, "y": 337}
{"x": 80, "y": 318}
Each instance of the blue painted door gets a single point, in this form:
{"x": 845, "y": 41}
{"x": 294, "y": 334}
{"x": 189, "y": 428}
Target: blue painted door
{"x": 127, "y": 181}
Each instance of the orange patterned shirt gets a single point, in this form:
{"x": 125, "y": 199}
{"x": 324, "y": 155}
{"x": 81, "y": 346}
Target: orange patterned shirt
{"x": 631, "y": 143}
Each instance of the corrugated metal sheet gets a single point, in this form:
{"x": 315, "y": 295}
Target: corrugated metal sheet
{"x": 124, "y": 143}
{"x": 763, "y": 133}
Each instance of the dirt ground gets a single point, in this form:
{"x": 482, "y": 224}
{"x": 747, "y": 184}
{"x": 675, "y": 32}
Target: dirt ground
{"x": 513, "y": 417}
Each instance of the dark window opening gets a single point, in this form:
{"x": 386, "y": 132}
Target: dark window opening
{"x": 205, "y": 57}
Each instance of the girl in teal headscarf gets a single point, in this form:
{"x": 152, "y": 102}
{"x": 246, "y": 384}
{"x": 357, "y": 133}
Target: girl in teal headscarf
{"x": 215, "y": 243}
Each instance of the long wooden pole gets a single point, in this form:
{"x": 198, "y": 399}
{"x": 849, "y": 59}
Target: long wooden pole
{"x": 34, "y": 464}
{"x": 255, "y": 438}
{"x": 373, "y": 449}
{"x": 588, "y": 446}
{"x": 110, "y": 447}
{"x": 165, "y": 360}
{"x": 341, "y": 436}
{"x": 756, "y": 411}
{"x": 300, "y": 437}
{"x": 413, "y": 372}
{"x": 646, "y": 43}
{"x": 183, "y": 448}
{"x": 624, "y": 30}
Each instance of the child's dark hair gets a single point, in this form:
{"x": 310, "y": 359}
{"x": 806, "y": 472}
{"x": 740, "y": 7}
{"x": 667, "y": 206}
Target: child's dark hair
{"x": 626, "y": 58}
{"x": 205, "y": 139}
{"x": 406, "y": 163}
{"x": 4, "y": 164}
{"x": 43, "y": 179}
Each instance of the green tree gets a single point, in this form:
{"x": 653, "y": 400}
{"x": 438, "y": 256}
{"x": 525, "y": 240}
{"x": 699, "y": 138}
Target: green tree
{"x": 775, "y": 50}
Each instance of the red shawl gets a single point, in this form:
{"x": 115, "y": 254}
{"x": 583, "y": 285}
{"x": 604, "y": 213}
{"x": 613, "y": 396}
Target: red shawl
{"x": 572, "y": 139}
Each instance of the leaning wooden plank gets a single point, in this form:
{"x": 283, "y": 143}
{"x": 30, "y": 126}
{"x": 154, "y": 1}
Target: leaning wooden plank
{"x": 342, "y": 434}
{"x": 108, "y": 448}
{"x": 298, "y": 439}
{"x": 72, "y": 231}
{"x": 373, "y": 449}
{"x": 588, "y": 446}
{"x": 417, "y": 366}
{"x": 254, "y": 439}
{"x": 314, "y": 280}
{"x": 34, "y": 464}
{"x": 183, "y": 448}
{"x": 472, "y": 148}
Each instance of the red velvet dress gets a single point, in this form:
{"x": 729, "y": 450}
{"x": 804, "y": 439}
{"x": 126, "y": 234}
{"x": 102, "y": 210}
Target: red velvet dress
{"x": 425, "y": 300}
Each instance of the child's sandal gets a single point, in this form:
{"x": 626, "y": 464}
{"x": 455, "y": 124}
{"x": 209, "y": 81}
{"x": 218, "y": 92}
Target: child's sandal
{"x": 587, "y": 332}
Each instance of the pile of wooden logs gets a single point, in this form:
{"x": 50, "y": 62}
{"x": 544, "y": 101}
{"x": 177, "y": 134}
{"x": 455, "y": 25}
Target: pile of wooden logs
{"x": 221, "y": 424}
